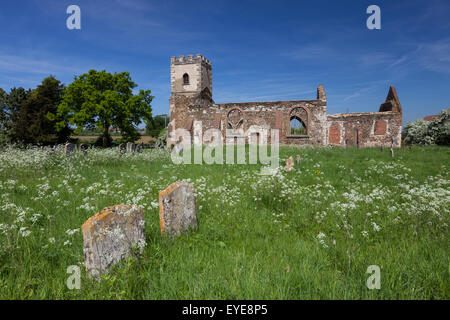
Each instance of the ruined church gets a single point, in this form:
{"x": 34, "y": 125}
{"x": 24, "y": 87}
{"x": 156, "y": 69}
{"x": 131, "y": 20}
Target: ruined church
{"x": 300, "y": 122}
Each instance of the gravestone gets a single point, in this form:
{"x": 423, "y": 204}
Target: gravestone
{"x": 289, "y": 164}
{"x": 392, "y": 152}
{"x": 139, "y": 148}
{"x": 177, "y": 211}
{"x": 109, "y": 237}
{"x": 69, "y": 148}
{"x": 299, "y": 159}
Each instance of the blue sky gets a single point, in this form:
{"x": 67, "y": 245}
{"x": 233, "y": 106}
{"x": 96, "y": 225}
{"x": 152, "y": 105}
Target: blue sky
{"x": 260, "y": 50}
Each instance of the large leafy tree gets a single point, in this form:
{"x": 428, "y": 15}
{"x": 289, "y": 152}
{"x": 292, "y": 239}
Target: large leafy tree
{"x": 100, "y": 99}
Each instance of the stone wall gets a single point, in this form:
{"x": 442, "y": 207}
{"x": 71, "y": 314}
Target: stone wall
{"x": 242, "y": 116}
{"x": 370, "y": 128}
{"x": 193, "y": 102}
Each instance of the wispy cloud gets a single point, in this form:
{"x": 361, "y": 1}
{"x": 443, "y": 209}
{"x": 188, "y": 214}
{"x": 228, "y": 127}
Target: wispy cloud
{"x": 434, "y": 56}
{"x": 17, "y": 64}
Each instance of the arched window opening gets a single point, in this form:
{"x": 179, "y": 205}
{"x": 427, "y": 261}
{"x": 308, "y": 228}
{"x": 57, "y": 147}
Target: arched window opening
{"x": 185, "y": 78}
{"x": 298, "y": 127}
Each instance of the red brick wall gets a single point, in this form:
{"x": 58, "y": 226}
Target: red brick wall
{"x": 334, "y": 133}
{"x": 380, "y": 127}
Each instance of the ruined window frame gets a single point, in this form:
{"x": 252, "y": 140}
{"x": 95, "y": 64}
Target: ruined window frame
{"x": 303, "y": 120}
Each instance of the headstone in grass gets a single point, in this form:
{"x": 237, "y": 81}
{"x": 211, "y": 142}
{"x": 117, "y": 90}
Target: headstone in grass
{"x": 177, "y": 212}
{"x": 392, "y": 152}
{"x": 139, "y": 148}
{"x": 110, "y": 236}
{"x": 69, "y": 149}
{"x": 289, "y": 164}
{"x": 299, "y": 159}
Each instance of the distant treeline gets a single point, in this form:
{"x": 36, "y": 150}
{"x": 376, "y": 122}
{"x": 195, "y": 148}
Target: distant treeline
{"x": 94, "y": 102}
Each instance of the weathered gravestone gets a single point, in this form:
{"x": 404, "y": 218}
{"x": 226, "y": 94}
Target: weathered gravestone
{"x": 110, "y": 235}
{"x": 139, "y": 148}
{"x": 299, "y": 159}
{"x": 69, "y": 148}
{"x": 289, "y": 164}
{"x": 177, "y": 211}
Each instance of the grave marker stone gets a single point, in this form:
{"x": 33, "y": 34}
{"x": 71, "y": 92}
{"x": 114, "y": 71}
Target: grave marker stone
{"x": 289, "y": 164}
{"x": 177, "y": 211}
{"x": 109, "y": 237}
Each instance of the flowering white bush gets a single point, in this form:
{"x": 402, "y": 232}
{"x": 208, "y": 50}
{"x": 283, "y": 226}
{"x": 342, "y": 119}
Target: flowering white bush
{"x": 424, "y": 132}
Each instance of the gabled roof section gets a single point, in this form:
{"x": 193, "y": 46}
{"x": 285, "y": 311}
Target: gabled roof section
{"x": 392, "y": 102}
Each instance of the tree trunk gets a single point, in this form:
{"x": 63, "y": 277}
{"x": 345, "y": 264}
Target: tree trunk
{"x": 105, "y": 137}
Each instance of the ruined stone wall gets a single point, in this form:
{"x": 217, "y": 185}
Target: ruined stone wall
{"x": 242, "y": 116}
{"x": 370, "y": 128}
{"x": 193, "y": 102}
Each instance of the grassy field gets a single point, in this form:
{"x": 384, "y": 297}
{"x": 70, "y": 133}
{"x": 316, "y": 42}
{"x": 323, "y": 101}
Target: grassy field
{"x": 306, "y": 234}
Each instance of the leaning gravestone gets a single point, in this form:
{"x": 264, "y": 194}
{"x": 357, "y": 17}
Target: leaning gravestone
{"x": 109, "y": 237}
{"x": 69, "y": 148}
{"x": 177, "y": 212}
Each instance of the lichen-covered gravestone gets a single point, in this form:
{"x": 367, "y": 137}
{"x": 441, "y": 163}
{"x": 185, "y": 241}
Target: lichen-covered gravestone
{"x": 110, "y": 235}
{"x": 177, "y": 212}
{"x": 289, "y": 164}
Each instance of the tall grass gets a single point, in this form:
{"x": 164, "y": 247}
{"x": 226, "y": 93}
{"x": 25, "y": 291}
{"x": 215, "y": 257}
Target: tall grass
{"x": 306, "y": 234}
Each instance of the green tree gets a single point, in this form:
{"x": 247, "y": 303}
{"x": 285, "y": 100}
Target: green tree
{"x": 24, "y": 114}
{"x": 3, "y": 117}
{"x": 10, "y": 105}
{"x": 155, "y": 125}
{"x": 42, "y": 101}
{"x": 100, "y": 99}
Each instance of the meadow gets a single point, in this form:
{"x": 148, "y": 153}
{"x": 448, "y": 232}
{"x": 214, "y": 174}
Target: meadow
{"x": 306, "y": 234}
